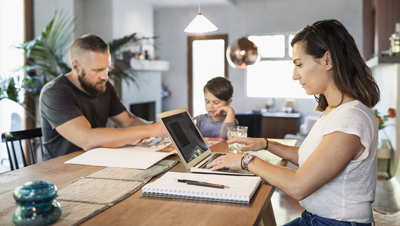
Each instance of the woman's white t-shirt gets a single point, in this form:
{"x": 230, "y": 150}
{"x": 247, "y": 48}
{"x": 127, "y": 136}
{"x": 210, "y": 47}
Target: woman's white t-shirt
{"x": 348, "y": 197}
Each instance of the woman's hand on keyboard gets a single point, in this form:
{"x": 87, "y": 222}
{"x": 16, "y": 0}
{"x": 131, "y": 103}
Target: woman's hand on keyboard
{"x": 231, "y": 161}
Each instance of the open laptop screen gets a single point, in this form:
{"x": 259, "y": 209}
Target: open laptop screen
{"x": 185, "y": 135}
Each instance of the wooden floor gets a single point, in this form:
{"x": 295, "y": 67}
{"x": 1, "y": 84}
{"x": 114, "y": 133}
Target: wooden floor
{"x": 285, "y": 208}
{"x": 386, "y": 197}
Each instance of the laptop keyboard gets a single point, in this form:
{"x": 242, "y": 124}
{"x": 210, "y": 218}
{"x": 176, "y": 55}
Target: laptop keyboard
{"x": 216, "y": 155}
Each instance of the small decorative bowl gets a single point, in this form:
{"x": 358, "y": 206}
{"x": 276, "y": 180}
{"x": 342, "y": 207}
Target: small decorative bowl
{"x": 36, "y": 204}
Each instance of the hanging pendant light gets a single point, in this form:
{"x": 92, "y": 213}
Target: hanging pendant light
{"x": 200, "y": 24}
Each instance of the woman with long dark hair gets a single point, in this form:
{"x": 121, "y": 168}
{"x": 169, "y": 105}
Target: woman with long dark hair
{"x": 336, "y": 179}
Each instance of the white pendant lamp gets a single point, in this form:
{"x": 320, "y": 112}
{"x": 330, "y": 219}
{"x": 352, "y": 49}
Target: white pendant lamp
{"x": 200, "y": 24}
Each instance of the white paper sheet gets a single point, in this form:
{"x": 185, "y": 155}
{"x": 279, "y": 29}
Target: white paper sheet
{"x": 125, "y": 157}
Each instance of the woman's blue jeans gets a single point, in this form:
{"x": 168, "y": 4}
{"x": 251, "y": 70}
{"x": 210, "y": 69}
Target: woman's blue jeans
{"x": 309, "y": 219}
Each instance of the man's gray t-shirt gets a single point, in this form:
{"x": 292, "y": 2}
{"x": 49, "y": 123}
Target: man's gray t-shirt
{"x": 61, "y": 101}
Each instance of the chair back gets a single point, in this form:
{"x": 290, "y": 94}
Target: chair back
{"x": 30, "y": 135}
{"x": 253, "y": 123}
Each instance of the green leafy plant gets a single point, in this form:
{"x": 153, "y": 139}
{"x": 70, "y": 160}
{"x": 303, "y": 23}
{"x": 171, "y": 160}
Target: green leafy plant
{"x": 121, "y": 68}
{"x": 45, "y": 53}
{"x": 12, "y": 88}
{"x": 8, "y": 90}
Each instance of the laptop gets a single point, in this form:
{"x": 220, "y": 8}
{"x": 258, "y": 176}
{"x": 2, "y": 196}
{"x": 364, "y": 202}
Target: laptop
{"x": 190, "y": 144}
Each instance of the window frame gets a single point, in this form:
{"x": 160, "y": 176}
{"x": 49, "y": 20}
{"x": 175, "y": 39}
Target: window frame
{"x": 29, "y": 35}
{"x": 286, "y": 34}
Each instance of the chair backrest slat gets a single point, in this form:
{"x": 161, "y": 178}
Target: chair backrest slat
{"x": 31, "y": 152}
{"x": 41, "y": 146}
{"x": 9, "y": 156}
{"x": 10, "y": 137}
{"x": 22, "y": 153}
{"x": 14, "y": 156}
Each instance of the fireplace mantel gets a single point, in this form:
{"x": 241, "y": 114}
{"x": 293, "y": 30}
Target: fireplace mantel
{"x": 149, "y": 65}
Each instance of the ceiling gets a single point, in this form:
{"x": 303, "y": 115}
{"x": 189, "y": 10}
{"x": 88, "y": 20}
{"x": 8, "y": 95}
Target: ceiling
{"x": 186, "y": 3}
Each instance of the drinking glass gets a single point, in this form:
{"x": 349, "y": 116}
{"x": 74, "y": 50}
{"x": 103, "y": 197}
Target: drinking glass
{"x": 236, "y": 131}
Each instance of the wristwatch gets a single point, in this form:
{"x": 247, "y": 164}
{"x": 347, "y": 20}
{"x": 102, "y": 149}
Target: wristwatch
{"x": 246, "y": 159}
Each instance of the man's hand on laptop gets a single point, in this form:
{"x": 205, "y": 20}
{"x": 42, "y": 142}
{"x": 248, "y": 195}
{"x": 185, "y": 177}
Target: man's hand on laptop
{"x": 157, "y": 130}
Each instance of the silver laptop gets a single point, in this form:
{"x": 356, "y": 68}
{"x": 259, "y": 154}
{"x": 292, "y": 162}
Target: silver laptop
{"x": 190, "y": 144}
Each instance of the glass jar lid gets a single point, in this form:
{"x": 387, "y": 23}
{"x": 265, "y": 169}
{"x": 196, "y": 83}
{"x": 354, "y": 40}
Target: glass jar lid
{"x": 35, "y": 192}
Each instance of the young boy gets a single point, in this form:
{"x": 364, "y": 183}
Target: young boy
{"x": 218, "y": 97}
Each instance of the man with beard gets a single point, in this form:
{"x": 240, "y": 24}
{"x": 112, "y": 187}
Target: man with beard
{"x": 75, "y": 107}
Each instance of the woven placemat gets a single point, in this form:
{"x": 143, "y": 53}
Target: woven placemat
{"x": 89, "y": 195}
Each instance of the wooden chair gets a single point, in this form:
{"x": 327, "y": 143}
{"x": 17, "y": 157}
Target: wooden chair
{"x": 30, "y": 135}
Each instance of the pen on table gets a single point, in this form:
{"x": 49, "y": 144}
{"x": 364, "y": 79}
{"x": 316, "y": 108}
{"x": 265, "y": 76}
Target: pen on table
{"x": 201, "y": 183}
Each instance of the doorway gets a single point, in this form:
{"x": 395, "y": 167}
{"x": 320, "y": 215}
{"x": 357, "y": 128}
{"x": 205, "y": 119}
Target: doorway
{"x": 206, "y": 60}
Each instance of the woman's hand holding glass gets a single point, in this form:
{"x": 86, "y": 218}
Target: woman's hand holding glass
{"x": 234, "y": 161}
{"x": 252, "y": 144}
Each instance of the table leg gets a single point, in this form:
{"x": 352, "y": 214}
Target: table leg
{"x": 268, "y": 217}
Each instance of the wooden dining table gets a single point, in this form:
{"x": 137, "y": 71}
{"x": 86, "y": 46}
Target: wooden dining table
{"x": 140, "y": 210}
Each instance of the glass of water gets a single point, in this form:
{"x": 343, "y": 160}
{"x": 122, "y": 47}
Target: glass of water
{"x": 236, "y": 131}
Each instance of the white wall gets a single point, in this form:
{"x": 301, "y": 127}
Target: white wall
{"x": 109, "y": 19}
{"x": 43, "y": 12}
{"x": 94, "y": 17}
{"x": 238, "y": 20}
{"x": 132, "y": 16}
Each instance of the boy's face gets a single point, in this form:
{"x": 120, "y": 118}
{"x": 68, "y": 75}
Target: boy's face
{"x": 213, "y": 103}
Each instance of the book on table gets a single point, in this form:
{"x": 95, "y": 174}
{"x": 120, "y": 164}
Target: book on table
{"x": 238, "y": 189}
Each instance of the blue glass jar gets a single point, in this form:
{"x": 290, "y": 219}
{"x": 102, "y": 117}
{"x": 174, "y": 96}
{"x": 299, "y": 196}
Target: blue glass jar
{"x": 36, "y": 204}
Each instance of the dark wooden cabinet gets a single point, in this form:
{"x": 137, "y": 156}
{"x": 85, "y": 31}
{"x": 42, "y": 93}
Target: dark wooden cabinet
{"x": 277, "y": 125}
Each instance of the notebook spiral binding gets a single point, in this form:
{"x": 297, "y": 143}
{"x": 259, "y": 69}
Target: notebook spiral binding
{"x": 162, "y": 195}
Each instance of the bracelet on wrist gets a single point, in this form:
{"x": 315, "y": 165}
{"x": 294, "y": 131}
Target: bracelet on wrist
{"x": 267, "y": 144}
{"x": 241, "y": 162}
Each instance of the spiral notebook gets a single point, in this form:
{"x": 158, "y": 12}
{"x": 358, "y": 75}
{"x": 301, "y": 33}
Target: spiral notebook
{"x": 241, "y": 188}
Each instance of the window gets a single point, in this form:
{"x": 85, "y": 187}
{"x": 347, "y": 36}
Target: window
{"x": 11, "y": 34}
{"x": 272, "y": 76}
